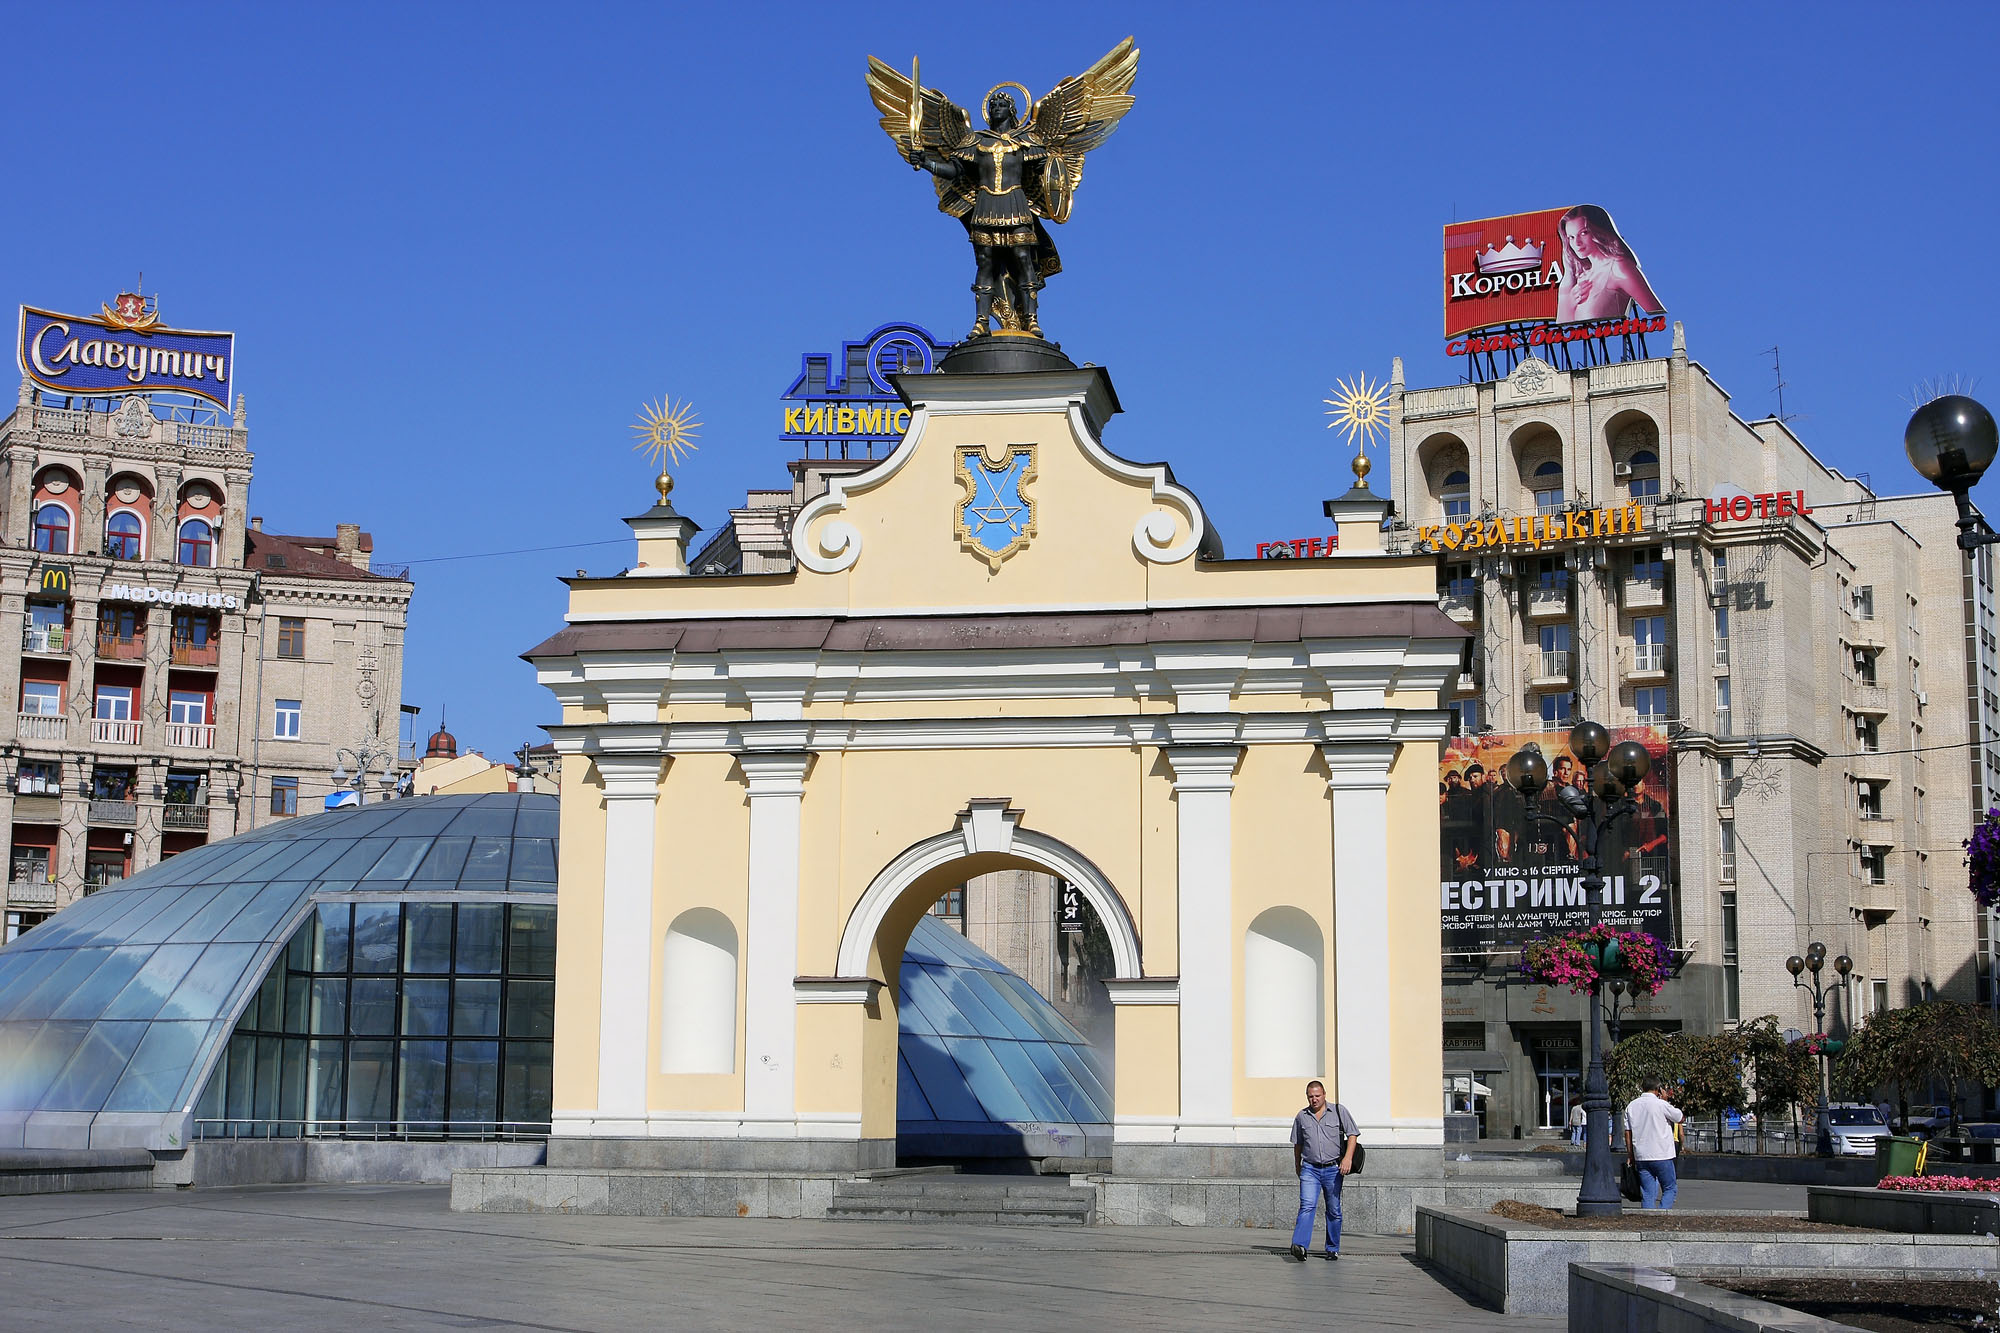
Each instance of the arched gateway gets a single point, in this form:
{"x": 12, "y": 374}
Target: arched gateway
{"x": 1000, "y": 647}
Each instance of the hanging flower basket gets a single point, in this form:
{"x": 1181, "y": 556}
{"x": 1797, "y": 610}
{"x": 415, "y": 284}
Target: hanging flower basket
{"x": 1982, "y": 860}
{"x": 1580, "y": 958}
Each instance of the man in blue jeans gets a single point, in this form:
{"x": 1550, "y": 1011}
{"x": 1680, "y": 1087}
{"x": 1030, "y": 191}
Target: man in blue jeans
{"x": 1323, "y": 1139}
{"x": 1649, "y": 1137}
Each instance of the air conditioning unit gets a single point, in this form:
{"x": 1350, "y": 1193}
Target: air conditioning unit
{"x": 1923, "y": 699}
{"x": 1622, "y": 471}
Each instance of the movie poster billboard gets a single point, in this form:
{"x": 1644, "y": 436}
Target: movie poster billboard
{"x": 1556, "y": 266}
{"x": 1507, "y": 878}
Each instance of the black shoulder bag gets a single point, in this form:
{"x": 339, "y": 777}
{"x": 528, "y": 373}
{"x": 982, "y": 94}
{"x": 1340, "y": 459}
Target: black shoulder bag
{"x": 1360, "y": 1151}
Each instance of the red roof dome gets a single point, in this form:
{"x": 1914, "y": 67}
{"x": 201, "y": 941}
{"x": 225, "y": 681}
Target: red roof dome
{"x": 443, "y": 745}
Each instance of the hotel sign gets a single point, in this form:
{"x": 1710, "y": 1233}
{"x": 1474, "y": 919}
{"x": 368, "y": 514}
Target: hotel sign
{"x": 1533, "y": 531}
{"x": 89, "y": 354}
{"x": 855, "y": 401}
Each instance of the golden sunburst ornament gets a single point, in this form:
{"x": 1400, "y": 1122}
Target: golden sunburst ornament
{"x": 1360, "y": 409}
{"x": 666, "y": 429}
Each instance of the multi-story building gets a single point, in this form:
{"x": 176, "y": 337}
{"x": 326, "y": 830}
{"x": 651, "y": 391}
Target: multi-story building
{"x": 182, "y": 675}
{"x": 1820, "y": 658}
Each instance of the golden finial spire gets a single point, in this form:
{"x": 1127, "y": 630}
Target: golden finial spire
{"x": 1360, "y": 408}
{"x": 666, "y": 430}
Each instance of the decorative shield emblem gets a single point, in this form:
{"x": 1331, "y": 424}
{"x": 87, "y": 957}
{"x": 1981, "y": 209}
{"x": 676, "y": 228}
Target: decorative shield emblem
{"x": 997, "y": 518}
{"x": 133, "y": 311}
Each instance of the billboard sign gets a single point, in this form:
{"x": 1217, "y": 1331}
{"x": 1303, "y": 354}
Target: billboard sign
{"x": 855, "y": 402}
{"x": 1567, "y": 267}
{"x": 1507, "y": 878}
{"x": 89, "y": 354}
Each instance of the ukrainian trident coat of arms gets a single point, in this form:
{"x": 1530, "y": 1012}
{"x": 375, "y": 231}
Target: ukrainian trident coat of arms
{"x": 997, "y": 517}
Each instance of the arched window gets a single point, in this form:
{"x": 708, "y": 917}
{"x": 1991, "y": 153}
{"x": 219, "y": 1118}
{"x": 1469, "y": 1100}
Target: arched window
{"x": 1645, "y": 483}
{"x": 1284, "y": 1003}
{"x": 124, "y": 536}
{"x": 698, "y": 995}
{"x": 197, "y": 543}
{"x": 52, "y": 530}
{"x": 1457, "y": 497}
{"x": 1549, "y": 488}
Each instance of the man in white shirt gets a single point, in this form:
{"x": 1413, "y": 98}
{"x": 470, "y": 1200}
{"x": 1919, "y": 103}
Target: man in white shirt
{"x": 1649, "y": 1143}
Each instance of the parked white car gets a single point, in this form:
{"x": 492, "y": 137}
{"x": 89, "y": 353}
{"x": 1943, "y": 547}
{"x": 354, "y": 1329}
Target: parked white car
{"x": 1857, "y": 1130}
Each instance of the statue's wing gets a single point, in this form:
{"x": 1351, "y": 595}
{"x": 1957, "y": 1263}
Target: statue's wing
{"x": 1077, "y": 116}
{"x": 940, "y": 125}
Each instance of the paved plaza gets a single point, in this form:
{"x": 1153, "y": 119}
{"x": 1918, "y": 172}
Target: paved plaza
{"x": 392, "y": 1256}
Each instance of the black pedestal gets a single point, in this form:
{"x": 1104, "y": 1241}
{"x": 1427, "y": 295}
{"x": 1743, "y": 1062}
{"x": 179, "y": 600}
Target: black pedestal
{"x": 1000, "y": 353}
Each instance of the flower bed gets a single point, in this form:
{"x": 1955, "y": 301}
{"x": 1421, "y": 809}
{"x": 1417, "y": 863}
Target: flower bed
{"x": 1581, "y": 958}
{"x": 1941, "y": 1184}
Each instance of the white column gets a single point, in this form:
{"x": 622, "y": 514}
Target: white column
{"x": 1359, "y": 778}
{"x": 1203, "y": 781}
{"x": 625, "y": 995}
{"x": 771, "y": 943}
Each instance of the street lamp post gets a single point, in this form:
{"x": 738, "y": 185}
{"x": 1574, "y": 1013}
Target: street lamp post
{"x": 1814, "y": 960}
{"x": 1615, "y": 770}
{"x": 362, "y": 759}
{"x": 1617, "y": 1005}
{"x": 1952, "y": 440}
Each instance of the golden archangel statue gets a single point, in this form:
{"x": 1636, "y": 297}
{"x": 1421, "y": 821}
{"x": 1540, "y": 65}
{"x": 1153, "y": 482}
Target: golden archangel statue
{"x": 1003, "y": 182}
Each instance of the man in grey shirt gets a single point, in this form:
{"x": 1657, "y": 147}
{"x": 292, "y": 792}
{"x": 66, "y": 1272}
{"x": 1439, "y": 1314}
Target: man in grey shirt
{"x": 1323, "y": 1139}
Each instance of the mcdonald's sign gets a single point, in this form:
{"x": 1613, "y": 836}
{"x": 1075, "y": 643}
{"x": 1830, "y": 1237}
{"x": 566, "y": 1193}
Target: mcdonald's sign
{"x": 55, "y": 579}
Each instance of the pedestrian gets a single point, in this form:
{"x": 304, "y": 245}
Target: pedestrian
{"x": 1323, "y": 1139}
{"x": 1579, "y": 1119}
{"x": 1650, "y": 1120}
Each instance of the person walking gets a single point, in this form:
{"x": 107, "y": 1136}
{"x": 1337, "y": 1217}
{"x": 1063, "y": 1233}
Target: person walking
{"x": 1649, "y": 1143}
{"x": 1579, "y": 1119}
{"x": 1323, "y": 1139}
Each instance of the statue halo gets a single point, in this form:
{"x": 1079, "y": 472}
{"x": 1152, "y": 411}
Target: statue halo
{"x": 1027, "y": 109}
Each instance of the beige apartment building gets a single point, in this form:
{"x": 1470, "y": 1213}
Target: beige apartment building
{"x": 183, "y": 675}
{"x": 1820, "y": 657}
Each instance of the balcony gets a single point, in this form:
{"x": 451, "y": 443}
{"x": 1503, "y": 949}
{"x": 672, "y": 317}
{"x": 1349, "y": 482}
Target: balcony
{"x": 1864, "y": 633}
{"x": 1866, "y": 700}
{"x": 1879, "y": 829}
{"x": 1456, "y": 400}
{"x": 100, "y": 877}
{"x": 1872, "y": 768}
{"x": 41, "y": 727}
{"x": 37, "y": 809}
{"x": 183, "y": 817}
{"x": 45, "y": 639}
{"x": 124, "y": 814}
{"x": 1548, "y": 601}
{"x": 31, "y": 891}
{"x": 114, "y": 731}
{"x": 1460, "y": 601}
{"x": 1466, "y": 682}
{"x": 1643, "y": 594}
{"x": 191, "y": 735}
{"x": 1551, "y": 671}
{"x": 120, "y": 648}
{"x": 186, "y": 652}
{"x": 1645, "y": 663}
{"x": 1722, "y": 653}
{"x": 1881, "y": 898}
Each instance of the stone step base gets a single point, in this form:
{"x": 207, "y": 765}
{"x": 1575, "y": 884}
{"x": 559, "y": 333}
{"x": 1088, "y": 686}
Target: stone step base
{"x": 964, "y": 1199}
{"x": 69, "y": 1170}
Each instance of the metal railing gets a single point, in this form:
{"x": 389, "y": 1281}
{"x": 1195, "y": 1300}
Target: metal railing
{"x": 186, "y": 652}
{"x": 244, "y": 1127}
{"x": 1554, "y": 666}
{"x": 1647, "y": 658}
{"x": 45, "y": 639}
{"x": 104, "y": 811}
{"x": 41, "y": 727}
{"x": 184, "y": 817}
{"x": 122, "y": 647}
{"x": 114, "y": 731}
{"x": 1722, "y": 650}
{"x": 191, "y": 735}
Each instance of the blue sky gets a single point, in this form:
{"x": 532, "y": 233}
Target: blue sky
{"x": 461, "y": 244}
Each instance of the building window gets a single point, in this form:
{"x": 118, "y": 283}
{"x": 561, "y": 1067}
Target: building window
{"x": 38, "y": 777}
{"x": 114, "y": 703}
{"x": 1649, "y": 643}
{"x": 197, "y": 544}
{"x": 124, "y": 536}
{"x": 291, "y": 637}
{"x": 1555, "y": 650}
{"x": 951, "y": 904}
{"x": 1881, "y": 993}
{"x": 284, "y": 796}
{"x": 1869, "y": 795}
{"x": 41, "y": 697}
{"x": 1875, "y": 865}
{"x": 1645, "y": 483}
{"x": 1464, "y": 717}
{"x": 1868, "y": 734}
{"x": 1649, "y": 565}
{"x": 1864, "y": 667}
{"x": 187, "y": 708}
{"x": 1731, "y": 1010}
{"x": 1721, "y": 570}
{"x": 1723, "y": 724}
{"x": 1457, "y": 497}
{"x": 52, "y": 530}
{"x": 110, "y": 784}
{"x": 1917, "y": 804}
{"x": 1725, "y": 782}
{"x": 1548, "y": 488}
{"x": 1555, "y": 710}
{"x": 1726, "y": 866}
{"x": 285, "y": 720}
{"x": 1651, "y": 704}
{"x": 1459, "y": 581}
{"x": 1722, "y": 636}
{"x": 1864, "y": 603}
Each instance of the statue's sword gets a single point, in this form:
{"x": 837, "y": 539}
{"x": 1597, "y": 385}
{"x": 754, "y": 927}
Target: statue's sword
{"x": 916, "y": 107}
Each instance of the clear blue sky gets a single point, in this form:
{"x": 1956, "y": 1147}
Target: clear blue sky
{"x": 461, "y": 244}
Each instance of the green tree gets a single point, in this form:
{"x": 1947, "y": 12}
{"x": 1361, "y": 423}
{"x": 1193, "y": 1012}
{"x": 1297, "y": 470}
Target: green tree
{"x": 1784, "y": 1075}
{"x": 1911, "y": 1050}
{"x": 1705, "y": 1070}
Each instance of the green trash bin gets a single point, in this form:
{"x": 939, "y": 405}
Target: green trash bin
{"x": 1900, "y": 1155}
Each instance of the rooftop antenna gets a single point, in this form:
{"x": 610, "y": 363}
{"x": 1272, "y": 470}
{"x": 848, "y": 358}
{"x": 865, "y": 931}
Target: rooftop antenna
{"x": 1778, "y": 373}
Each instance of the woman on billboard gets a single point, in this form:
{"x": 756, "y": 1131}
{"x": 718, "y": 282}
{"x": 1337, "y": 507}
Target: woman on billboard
{"x": 1601, "y": 277}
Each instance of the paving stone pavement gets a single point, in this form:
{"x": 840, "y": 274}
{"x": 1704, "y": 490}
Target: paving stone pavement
{"x": 353, "y": 1257}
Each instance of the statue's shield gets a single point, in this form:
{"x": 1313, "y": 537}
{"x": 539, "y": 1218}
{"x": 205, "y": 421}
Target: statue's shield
{"x": 997, "y": 516}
